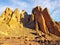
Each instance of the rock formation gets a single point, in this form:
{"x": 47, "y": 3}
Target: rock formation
{"x": 52, "y": 26}
{"x": 44, "y": 21}
{"x": 39, "y": 19}
{"x": 6, "y": 15}
{"x": 12, "y": 19}
{"x": 30, "y": 23}
{"x": 24, "y": 17}
{"x": 15, "y": 20}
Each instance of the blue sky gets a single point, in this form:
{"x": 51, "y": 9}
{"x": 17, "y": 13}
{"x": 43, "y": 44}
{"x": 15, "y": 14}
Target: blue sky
{"x": 52, "y": 5}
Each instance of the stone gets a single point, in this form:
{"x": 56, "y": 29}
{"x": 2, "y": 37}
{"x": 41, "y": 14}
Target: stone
{"x": 6, "y": 15}
{"x": 44, "y": 22}
{"x": 15, "y": 20}
{"x": 58, "y": 25}
{"x": 16, "y": 14}
{"x": 3, "y": 29}
{"x": 30, "y": 23}
{"x": 18, "y": 21}
{"x": 31, "y": 18}
{"x": 24, "y": 17}
{"x": 39, "y": 19}
{"x": 52, "y": 27}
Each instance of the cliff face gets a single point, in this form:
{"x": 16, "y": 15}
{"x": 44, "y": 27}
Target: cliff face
{"x": 53, "y": 27}
{"x": 45, "y": 22}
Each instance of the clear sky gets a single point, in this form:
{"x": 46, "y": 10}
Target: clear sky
{"x": 52, "y": 5}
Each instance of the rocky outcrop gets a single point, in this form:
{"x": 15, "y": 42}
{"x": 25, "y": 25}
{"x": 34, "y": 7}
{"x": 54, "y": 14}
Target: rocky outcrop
{"x": 6, "y": 15}
{"x": 52, "y": 26}
{"x": 40, "y": 21}
{"x": 12, "y": 19}
{"x": 45, "y": 22}
{"x": 30, "y": 23}
{"x": 24, "y": 17}
{"x": 15, "y": 20}
{"x": 58, "y": 24}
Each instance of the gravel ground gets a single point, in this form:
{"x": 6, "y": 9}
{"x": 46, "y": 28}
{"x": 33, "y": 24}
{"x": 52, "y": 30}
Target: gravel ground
{"x": 26, "y": 41}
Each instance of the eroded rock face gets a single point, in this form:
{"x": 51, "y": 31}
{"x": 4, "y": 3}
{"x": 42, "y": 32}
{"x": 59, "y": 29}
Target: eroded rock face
{"x": 45, "y": 22}
{"x": 15, "y": 20}
{"x": 39, "y": 19}
{"x": 52, "y": 26}
{"x": 6, "y": 15}
{"x": 12, "y": 19}
{"x": 30, "y": 23}
{"x": 24, "y": 17}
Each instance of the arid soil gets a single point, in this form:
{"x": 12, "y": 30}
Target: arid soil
{"x": 29, "y": 37}
{"x": 26, "y": 41}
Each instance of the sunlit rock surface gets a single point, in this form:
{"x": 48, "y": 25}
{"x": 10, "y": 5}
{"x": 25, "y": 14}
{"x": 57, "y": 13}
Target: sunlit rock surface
{"x": 21, "y": 24}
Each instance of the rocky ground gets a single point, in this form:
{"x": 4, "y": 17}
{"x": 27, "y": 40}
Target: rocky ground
{"x": 29, "y": 37}
{"x": 26, "y": 41}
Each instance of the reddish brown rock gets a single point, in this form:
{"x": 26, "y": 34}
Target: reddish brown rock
{"x": 44, "y": 21}
{"x": 58, "y": 24}
{"x": 39, "y": 19}
{"x": 53, "y": 28}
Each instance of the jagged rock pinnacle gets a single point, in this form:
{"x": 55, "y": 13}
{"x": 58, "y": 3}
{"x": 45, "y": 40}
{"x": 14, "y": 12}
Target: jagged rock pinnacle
{"x": 6, "y": 15}
{"x": 16, "y": 10}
